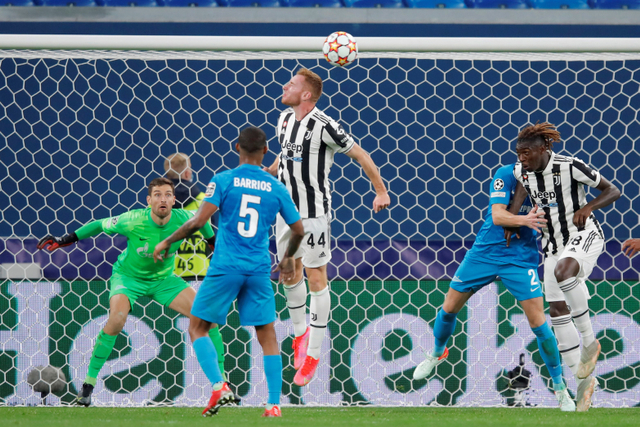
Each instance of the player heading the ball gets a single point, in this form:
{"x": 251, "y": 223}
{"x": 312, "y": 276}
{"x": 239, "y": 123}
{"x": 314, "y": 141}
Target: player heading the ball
{"x": 572, "y": 241}
{"x": 309, "y": 139}
{"x": 135, "y": 274}
{"x": 248, "y": 200}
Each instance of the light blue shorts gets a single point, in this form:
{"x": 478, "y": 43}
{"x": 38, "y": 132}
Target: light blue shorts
{"x": 256, "y": 301}
{"x": 473, "y": 275}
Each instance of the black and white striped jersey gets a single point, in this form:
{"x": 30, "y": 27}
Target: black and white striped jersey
{"x": 559, "y": 191}
{"x": 307, "y": 150}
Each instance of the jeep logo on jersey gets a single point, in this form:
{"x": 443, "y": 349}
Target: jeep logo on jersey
{"x": 291, "y": 146}
{"x": 498, "y": 184}
{"x": 543, "y": 194}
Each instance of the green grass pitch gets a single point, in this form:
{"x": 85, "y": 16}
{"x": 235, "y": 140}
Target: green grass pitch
{"x": 294, "y": 416}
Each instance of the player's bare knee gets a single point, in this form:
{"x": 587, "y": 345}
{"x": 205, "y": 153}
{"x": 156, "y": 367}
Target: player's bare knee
{"x": 265, "y": 332}
{"x": 198, "y": 328}
{"x": 115, "y": 323}
{"x": 536, "y": 320}
{"x": 558, "y": 308}
{"x": 317, "y": 285}
{"x": 267, "y": 338}
{"x": 565, "y": 269}
{"x": 296, "y": 279}
{"x": 560, "y": 274}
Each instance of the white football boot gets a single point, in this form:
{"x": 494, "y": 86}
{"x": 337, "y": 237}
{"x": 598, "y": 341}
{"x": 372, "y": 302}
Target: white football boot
{"x": 424, "y": 369}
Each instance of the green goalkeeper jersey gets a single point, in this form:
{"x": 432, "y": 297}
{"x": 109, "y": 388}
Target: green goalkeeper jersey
{"x": 142, "y": 234}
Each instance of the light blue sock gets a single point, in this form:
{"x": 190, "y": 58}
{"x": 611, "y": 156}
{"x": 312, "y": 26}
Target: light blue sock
{"x": 273, "y": 372}
{"x": 208, "y": 358}
{"x": 548, "y": 346}
{"x": 442, "y": 330}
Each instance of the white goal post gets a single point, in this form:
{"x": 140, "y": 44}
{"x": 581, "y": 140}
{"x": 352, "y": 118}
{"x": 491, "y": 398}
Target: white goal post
{"x": 87, "y": 121}
{"x": 310, "y": 44}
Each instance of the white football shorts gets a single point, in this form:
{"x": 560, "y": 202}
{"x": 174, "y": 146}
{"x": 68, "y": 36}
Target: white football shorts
{"x": 315, "y": 248}
{"x": 585, "y": 247}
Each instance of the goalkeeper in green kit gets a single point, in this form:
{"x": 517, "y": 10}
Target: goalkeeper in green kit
{"x": 135, "y": 273}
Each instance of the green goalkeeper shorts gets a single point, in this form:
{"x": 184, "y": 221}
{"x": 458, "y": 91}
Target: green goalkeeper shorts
{"x": 163, "y": 291}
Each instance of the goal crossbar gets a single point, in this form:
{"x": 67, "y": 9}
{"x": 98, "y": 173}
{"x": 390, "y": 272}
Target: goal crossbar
{"x": 366, "y": 44}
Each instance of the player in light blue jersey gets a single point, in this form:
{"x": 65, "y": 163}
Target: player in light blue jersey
{"x": 516, "y": 265}
{"x": 249, "y": 200}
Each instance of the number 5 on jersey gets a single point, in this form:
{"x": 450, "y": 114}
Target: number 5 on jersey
{"x": 252, "y": 213}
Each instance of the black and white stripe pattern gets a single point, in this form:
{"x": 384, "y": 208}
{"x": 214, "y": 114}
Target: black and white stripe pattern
{"x": 306, "y": 156}
{"x": 561, "y": 320}
{"x": 589, "y": 240}
{"x": 559, "y": 191}
{"x": 566, "y": 287}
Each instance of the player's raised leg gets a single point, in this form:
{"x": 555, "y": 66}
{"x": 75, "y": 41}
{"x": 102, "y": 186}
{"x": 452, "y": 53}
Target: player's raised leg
{"x": 566, "y": 272}
{"x": 442, "y": 330}
{"x": 564, "y": 328}
{"x": 119, "y": 307}
{"x": 182, "y": 303}
{"x": 295, "y": 291}
{"x": 569, "y": 347}
{"x": 319, "y": 309}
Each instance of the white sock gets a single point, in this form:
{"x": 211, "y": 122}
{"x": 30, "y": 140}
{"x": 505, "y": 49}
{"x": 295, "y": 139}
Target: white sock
{"x": 577, "y": 299}
{"x": 568, "y": 341}
{"x": 320, "y": 307}
{"x": 297, "y": 303}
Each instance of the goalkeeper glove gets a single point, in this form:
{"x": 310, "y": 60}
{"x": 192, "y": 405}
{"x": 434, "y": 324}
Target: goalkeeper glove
{"x": 50, "y": 243}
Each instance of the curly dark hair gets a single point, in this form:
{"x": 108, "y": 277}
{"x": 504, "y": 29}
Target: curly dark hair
{"x": 545, "y": 133}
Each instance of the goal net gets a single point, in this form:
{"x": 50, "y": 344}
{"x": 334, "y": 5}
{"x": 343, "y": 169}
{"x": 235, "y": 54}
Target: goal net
{"x": 83, "y": 132}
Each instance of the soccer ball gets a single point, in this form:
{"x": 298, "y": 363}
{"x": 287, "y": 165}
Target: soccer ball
{"x": 340, "y": 49}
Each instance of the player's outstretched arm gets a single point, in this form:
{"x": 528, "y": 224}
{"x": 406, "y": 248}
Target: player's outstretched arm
{"x": 188, "y": 228}
{"x": 382, "y": 200}
{"x": 287, "y": 265}
{"x": 503, "y": 218}
{"x": 609, "y": 194}
{"x": 50, "y": 243}
{"x": 631, "y": 247}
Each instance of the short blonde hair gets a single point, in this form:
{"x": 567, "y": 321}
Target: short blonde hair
{"x": 175, "y": 164}
{"x": 314, "y": 81}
